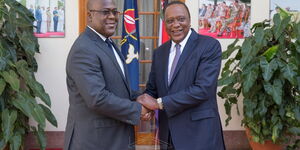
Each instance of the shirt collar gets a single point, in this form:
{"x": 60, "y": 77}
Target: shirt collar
{"x": 182, "y": 43}
{"x": 100, "y": 35}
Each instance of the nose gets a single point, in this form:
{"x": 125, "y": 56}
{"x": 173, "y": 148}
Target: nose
{"x": 111, "y": 15}
{"x": 176, "y": 23}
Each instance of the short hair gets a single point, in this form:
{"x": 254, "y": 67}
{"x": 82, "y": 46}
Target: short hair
{"x": 90, "y": 4}
{"x": 176, "y": 2}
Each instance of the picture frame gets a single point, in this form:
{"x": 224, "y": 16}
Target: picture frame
{"x": 224, "y": 18}
{"x": 49, "y": 17}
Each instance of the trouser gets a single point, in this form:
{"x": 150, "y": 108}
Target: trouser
{"x": 38, "y": 25}
{"x": 55, "y": 25}
{"x": 169, "y": 145}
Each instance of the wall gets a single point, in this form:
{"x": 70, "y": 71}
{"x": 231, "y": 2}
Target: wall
{"x": 54, "y": 51}
{"x": 52, "y": 61}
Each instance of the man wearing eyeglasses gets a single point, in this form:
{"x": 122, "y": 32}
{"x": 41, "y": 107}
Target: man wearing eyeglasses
{"x": 101, "y": 113}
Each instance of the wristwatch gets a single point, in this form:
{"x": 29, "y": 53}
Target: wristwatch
{"x": 160, "y": 104}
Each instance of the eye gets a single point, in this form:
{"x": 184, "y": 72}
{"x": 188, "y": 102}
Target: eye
{"x": 115, "y": 12}
{"x": 181, "y": 19}
{"x": 106, "y": 12}
{"x": 170, "y": 21}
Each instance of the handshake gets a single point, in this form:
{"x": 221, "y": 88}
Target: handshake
{"x": 149, "y": 104}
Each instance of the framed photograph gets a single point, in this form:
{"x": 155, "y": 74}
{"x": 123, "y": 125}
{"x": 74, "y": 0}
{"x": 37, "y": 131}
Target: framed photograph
{"x": 292, "y": 6}
{"x": 49, "y": 17}
{"x": 224, "y": 18}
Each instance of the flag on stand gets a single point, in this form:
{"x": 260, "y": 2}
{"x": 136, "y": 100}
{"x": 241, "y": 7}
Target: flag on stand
{"x": 130, "y": 44}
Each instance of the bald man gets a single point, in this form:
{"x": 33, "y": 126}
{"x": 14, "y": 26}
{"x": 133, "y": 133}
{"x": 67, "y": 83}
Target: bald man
{"x": 101, "y": 113}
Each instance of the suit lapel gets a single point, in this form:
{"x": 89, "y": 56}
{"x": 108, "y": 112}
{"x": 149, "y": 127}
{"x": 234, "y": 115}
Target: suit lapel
{"x": 103, "y": 46}
{"x": 187, "y": 51}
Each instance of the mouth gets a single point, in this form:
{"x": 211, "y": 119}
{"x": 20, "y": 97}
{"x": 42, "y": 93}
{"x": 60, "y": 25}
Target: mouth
{"x": 177, "y": 32}
{"x": 111, "y": 25}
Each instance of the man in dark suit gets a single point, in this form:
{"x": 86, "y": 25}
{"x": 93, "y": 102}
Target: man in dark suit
{"x": 101, "y": 113}
{"x": 55, "y": 19}
{"x": 38, "y": 18}
{"x": 183, "y": 78}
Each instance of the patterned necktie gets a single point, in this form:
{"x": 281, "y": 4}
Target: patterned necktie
{"x": 175, "y": 61}
{"x": 109, "y": 44}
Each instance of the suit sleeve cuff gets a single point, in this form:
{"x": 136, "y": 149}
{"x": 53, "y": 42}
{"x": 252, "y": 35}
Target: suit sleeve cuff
{"x": 136, "y": 119}
{"x": 167, "y": 103}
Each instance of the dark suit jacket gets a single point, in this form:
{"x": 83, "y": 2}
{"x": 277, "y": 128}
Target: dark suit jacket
{"x": 101, "y": 115}
{"x": 190, "y": 112}
{"x": 38, "y": 15}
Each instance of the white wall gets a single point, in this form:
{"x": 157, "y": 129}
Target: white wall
{"x": 52, "y": 61}
{"x": 54, "y": 51}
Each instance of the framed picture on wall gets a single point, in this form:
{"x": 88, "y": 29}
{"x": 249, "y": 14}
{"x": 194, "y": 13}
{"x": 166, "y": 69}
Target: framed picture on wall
{"x": 224, "y": 18}
{"x": 292, "y": 6}
{"x": 49, "y": 17}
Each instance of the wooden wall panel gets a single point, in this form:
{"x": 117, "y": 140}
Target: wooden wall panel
{"x": 82, "y": 15}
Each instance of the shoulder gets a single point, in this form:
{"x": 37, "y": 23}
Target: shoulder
{"x": 83, "y": 50}
{"x": 83, "y": 44}
{"x": 163, "y": 47}
{"x": 207, "y": 41}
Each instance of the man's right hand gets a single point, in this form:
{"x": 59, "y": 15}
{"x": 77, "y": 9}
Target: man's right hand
{"x": 148, "y": 101}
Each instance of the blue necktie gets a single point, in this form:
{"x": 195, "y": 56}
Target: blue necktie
{"x": 175, "y": 61}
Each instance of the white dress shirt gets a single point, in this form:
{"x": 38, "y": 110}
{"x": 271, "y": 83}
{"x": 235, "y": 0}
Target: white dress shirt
{"x": 173, "y": 51}
{"x": 115, "y": 51}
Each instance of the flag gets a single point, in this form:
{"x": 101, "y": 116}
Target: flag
{"x": 130, "y": 44}
{"x": 163, "y": 36}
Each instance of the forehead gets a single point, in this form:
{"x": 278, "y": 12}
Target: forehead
{"x": 101, "y": 4}
{"x": 176, "y": 10}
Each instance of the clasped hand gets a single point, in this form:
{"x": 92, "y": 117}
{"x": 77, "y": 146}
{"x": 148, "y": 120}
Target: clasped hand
{"x": 149, "y": 104}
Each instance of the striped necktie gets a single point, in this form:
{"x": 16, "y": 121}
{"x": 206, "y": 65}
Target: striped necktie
{"x": 175, "y": 61}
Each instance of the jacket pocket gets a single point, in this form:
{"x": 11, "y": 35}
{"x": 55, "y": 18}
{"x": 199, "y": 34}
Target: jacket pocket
{"x": 106, "y": 122}
{"x": 203, "y": 114}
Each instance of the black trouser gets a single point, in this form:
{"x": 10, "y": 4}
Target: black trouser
{"x": 169, "y": 145}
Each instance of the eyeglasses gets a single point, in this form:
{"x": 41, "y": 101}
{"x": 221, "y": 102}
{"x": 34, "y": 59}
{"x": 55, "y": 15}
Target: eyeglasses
{"x": 106, "y": 12}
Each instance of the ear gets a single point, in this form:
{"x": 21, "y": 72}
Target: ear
{"x": 89, "y": 16}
